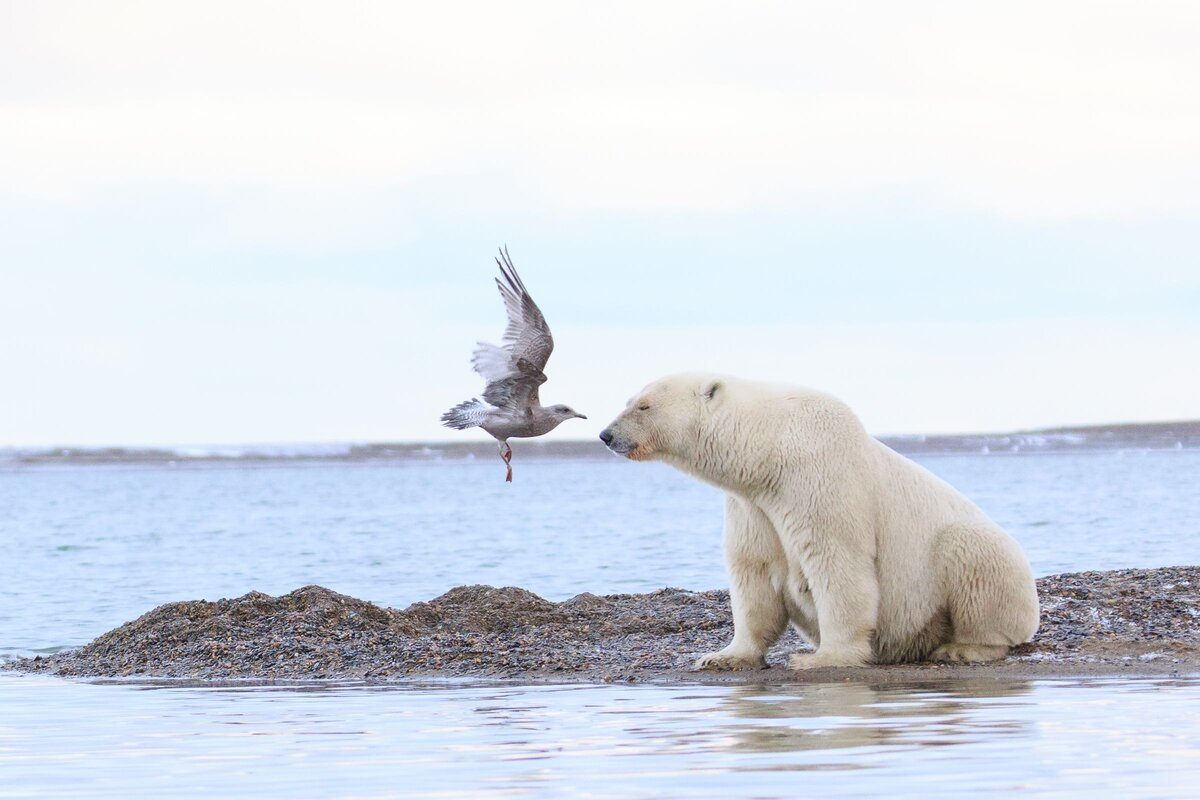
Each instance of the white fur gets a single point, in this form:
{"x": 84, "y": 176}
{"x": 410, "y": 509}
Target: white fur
{"x": 871, "y": 557}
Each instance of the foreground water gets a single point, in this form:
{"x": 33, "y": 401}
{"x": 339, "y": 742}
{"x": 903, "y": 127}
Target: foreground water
{"x": 979, "y": 739}
{"x": 85, "y": 548}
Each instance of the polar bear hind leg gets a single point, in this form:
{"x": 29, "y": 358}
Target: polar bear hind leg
{"x": 987, "y": 583}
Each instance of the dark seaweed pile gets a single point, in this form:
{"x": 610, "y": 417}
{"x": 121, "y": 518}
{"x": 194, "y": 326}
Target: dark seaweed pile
{"x": 1087, "y": 618}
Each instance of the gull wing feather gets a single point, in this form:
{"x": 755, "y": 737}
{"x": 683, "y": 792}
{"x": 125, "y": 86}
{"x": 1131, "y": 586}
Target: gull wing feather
{"x": 527, "y": 334}
{"x": 519, "y": 391}
{"x": 491, "y": 362}
{"x": 514, "y": 371}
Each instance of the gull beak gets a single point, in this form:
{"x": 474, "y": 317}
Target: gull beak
{"x": 580, "y": 416}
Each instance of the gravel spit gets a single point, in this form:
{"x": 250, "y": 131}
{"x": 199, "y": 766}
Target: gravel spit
{"x": 1135, "y": 621}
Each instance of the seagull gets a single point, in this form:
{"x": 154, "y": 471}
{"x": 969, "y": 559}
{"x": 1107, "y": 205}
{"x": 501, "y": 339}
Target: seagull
{"x": 513, "y": 373}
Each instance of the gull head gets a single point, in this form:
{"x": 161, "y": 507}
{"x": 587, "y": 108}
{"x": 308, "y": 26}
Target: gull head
{"x": 565, "y": 412}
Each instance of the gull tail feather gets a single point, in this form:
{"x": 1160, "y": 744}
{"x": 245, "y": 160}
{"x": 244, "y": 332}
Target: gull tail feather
{"x": 467, "y": 414}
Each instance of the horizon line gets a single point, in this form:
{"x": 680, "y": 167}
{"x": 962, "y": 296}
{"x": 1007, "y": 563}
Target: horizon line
{"x": 459, "y": 441}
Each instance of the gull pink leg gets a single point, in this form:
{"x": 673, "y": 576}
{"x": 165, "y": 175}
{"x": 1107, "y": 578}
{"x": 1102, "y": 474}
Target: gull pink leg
{"x": 507, "y": 456}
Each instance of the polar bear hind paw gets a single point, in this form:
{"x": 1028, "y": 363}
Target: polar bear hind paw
{"x": 722, "y": 660}
{"x": 956, "y": 653}
{"x": 801, "y": 661}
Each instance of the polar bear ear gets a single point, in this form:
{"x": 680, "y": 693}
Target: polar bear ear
{"x": 711, "y": 390}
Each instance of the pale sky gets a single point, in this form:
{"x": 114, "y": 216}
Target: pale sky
{"x": 274, "y": 222}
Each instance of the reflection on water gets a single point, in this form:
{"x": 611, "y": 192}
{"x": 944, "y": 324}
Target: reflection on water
{"x": 69, "y": 739}
{"x": 845, "y": 715}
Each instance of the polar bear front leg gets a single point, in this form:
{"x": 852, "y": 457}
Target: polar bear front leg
{"x": 845, "y": 591}
{"x": 756, "y": 565}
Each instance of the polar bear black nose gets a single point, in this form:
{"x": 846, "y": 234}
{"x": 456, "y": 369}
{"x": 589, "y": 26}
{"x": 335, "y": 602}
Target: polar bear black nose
{"x": 606, "y": 436}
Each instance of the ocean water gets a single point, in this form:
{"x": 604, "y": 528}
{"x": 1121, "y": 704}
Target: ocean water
{"x": 956, "y": 739}
{"x": 84, "y": 548}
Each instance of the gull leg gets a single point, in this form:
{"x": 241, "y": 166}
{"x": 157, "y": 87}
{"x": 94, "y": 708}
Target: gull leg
{"x": 506, "y": 454}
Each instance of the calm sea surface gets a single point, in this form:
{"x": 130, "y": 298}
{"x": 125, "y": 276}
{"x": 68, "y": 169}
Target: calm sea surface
{"x": 85, "y": 548}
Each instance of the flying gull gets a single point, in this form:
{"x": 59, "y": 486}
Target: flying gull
{"x": 513, "y": 373}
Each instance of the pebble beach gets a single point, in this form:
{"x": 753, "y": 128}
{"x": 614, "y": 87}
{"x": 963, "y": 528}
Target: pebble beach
{"x": 1133, "y": 621}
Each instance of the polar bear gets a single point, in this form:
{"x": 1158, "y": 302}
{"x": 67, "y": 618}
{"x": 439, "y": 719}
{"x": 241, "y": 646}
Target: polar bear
{"x": 871, "y": 557}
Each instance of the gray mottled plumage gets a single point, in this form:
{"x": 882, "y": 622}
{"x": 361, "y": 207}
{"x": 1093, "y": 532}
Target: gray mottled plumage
{"x": 511, "y": 406}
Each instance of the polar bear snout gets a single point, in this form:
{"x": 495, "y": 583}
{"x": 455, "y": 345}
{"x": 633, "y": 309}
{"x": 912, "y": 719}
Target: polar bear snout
{"x": 618, "y": 444}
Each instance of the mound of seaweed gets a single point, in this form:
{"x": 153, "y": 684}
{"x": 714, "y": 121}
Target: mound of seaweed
{"x": 1088, "y": 618}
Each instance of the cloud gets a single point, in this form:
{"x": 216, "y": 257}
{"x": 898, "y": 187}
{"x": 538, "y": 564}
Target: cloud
{"x": 912, "y": 377}
{"x": 1043, "y": 115}
{"x": 268, "y": 220}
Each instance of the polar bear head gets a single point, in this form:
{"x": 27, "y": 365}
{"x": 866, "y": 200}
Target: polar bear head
{"x": 668, "y": 420}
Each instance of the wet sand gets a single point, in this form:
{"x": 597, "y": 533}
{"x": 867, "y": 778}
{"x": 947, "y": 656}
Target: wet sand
{"x": 1122, "y": 622}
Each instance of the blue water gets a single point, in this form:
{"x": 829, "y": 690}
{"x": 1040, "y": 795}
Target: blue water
{"x": 978, "y": 739}
{"x": 85, "y": 548}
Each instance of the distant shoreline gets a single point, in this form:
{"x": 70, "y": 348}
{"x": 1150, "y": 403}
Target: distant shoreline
{"x": 1149, "y": 436}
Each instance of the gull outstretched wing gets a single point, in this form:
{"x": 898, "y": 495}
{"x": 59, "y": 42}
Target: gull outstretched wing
{"x": 514, "y": 371}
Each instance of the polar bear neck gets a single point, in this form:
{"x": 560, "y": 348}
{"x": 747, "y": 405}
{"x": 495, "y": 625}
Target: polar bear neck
{"x": 757, "y": 447}
{"x": 732, "y": 453}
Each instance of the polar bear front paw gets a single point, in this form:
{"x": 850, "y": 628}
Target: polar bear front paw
{"x": 725, "y": 659}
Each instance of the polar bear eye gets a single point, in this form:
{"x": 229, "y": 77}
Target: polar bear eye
{"x": 644, "y": 407}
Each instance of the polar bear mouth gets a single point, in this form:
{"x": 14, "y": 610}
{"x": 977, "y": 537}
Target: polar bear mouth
{"x": 623, "y": 447}
{"x": 637, "y": 452}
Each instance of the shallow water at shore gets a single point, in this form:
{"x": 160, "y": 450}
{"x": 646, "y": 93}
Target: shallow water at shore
{"x": 1133, "y": 738}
